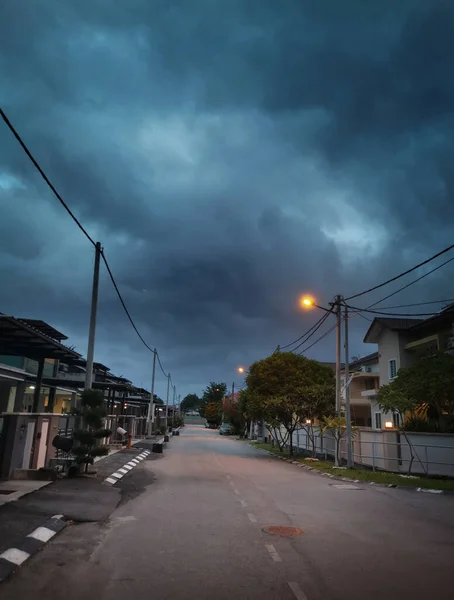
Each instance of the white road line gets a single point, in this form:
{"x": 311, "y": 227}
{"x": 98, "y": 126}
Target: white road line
{"x": 111, "y": 480}
{"x": 243, "y": 503}
{"x": 273, "y": 552}
{"x": 15, "y": 556}
{"x": 117, "y": 475}
{"x": 252, "y": 519}
{"x": 236, "y": 492}
{"x": 126, "y": 466}
{"x": 42, "y": 534}
{"x": 140, "y": 457}
{"x": 231, "y": 483}
{"x": 228, "y": 477}
{"x": 133, "y": 462}
{"x": 123, "y": 470}
{"x": 299, "y": 594}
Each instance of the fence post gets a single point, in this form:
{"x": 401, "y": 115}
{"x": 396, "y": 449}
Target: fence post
{"x": 298, "y": 439}
{"x": 373, "y": 455}
{"x": 427, "y": 460}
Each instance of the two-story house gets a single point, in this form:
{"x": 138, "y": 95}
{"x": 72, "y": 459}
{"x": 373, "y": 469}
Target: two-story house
{"x": 402, "y": 341}
{"x": 364, "y": 381}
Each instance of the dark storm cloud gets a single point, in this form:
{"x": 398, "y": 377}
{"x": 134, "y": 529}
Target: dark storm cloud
{"x": 230, "y": 156}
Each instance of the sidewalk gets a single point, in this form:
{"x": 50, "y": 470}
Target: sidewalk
{"x": 79, "y": 499}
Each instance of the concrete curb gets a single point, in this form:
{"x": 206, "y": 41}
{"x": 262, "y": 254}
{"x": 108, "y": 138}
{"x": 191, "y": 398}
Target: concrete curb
{"x": 13, "y": 558}
{"x": 371, "y": 483}
{"x": 124, "y": 470}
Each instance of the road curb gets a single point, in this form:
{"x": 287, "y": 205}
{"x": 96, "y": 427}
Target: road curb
{"x": 114, "y": 477}
{"x": 371, "y": 483}
{"x": 13, "y": 558}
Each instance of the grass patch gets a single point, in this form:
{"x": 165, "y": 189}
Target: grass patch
{"x": 367, "y": 476}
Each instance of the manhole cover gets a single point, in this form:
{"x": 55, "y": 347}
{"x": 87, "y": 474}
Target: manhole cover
{"x": 282, "y": 531}
{"x": 6, "y": 492}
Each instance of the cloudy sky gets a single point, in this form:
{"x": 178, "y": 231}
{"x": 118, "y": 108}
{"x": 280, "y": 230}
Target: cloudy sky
{"x": 229, "y": 155}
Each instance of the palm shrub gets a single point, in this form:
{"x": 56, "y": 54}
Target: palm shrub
{"x": 88, "y": 439}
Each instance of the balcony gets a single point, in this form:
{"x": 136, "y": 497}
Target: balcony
{"x": 369, "y": 393}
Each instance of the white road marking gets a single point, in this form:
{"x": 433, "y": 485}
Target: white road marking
{"x": 346, "y": 486}
{"x": 252, "y": 519}
{"x": 126, "y": 466}
{"x": 231, "y": 483}
{"x": 228, "y": 476}
{"x": 42, "y": 534}
{"x": 140, "y": 457}
{"x": 236, "y": 492}
{"x": 123, "y": 470}
{"x": 273, "y": 552}
{"x": 133, "y": 462}
{"x": 111, "y": 480}
{"x": 243, "y": 503}
{"x": 15, "y": 556}
{"x": 117, "y": 475}
{"x": 299, "y": 594}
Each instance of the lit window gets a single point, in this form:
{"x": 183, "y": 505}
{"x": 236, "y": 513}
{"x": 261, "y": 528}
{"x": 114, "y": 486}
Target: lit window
{"x": 392, "y": 367}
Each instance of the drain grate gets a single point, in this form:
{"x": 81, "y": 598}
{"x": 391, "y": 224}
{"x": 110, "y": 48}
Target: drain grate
{"x": 282, "y": 531}
{"x": 6, "y": 492}
{"x": 345, "y": 486}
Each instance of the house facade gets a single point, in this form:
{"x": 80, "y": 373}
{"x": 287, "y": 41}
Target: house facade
{"x": 364, "y": 381}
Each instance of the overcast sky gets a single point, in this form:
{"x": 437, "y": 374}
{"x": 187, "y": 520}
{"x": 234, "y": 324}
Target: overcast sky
{"x": 229, "y": 155}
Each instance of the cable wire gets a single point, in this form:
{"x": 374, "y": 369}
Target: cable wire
{"x": 402, "y": 274}
{"x": 320, "y": 323}
{"x": 447, "y": 300}
{"x": 320, "y": 338}
{"x": 44, "y": 176}
{"x": 123, "y": 302}
{"x": 304, "y": 334}
{"x": 379, "y": 312}
{"x": 411, "y": 283}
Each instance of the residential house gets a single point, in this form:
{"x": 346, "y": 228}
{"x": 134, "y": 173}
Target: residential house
{"x": 401, "y": 342}
{"x": 364, "y": 381}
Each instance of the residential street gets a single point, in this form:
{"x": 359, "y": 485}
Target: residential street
{"x": 196, "y": 532}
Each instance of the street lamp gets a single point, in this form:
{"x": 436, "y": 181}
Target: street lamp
{"x": 241, "y": 369}
{"x": 308, "y": 302}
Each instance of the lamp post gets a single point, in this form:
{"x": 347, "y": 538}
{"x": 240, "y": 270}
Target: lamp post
{"x": 336, "y": 308}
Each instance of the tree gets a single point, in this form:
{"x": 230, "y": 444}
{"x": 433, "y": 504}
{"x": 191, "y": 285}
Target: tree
{"x": 213, "y": 393}
{"x": 190, "y": 402}
{"x": 93, "y": 414}
{"x": 337, "y": 426}
{"x": 213, "y": 412}
{"x": 423, "y": 390}
{"x": 286, "y": 389}
{"x": 233, "y": 410}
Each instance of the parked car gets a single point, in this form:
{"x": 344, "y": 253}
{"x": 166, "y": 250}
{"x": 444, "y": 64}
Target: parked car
{"x": 225, "y": 429}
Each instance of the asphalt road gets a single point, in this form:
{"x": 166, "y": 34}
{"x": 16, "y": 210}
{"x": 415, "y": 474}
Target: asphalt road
{"x": 195, "y": 531}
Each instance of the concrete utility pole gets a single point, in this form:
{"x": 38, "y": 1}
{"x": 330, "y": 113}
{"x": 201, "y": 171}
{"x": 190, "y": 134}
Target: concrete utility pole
{"x": 150, "y": 416}
{"x": 337, "y": 304}
{"x": 92, "y": 330}
{"x": 173, "y": 404}
{"x": 167, "y": 399}
{"x": 347, "y": 394}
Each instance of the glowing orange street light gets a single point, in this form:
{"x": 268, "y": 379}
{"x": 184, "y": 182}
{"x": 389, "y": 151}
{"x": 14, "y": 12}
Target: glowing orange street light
{"x": 241, "y": 369}
{"x": 306, "y": 302}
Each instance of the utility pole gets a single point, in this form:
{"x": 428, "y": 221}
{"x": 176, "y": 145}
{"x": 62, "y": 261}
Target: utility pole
{"x": 338, "y": 364}
{"x": 92, "y": 330}
{"x": 167, "y": 399}
{"x": 150, "y": 416}
{"x": 347, "y": 394}
{"x": 173, "y": 404}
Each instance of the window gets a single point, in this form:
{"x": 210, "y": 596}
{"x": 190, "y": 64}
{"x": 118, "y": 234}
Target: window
{"x": 378, "y": 421}
{"x": 392, "y": 368}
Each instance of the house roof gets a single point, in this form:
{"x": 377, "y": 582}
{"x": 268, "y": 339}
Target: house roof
{"x": 394, "y": 324}
{"x": 19, "y": 338}
{"x": 364, "y": 360}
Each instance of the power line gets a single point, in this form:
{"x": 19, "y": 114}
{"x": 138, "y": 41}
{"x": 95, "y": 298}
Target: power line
{"x": 304, "y": 334}
{"x": 320, "y": 323}
{"x": 402, "y": 274}
{"x": 123, "y": 302}
{"x": 447, "y": 300}
{"x": 379, "y": 312}
{"x": 44, "y": 176}
{"x": 411, "y": 283}
{"x": 160, "y": 364}
{"x": 319, "y": 339}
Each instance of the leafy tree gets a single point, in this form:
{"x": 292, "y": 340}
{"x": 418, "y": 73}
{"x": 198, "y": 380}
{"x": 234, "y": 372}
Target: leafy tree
{"x": 93, "y": 414}
{"x": 337, "y": 426}
{"x": 190, "y": 402}
{"x": 213, "y": 412}
{"x": 286, "y": 389}
{"x": 233, "y": 410}
{"x": 423, "y": 390}
{"x": 213, "y": 393}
